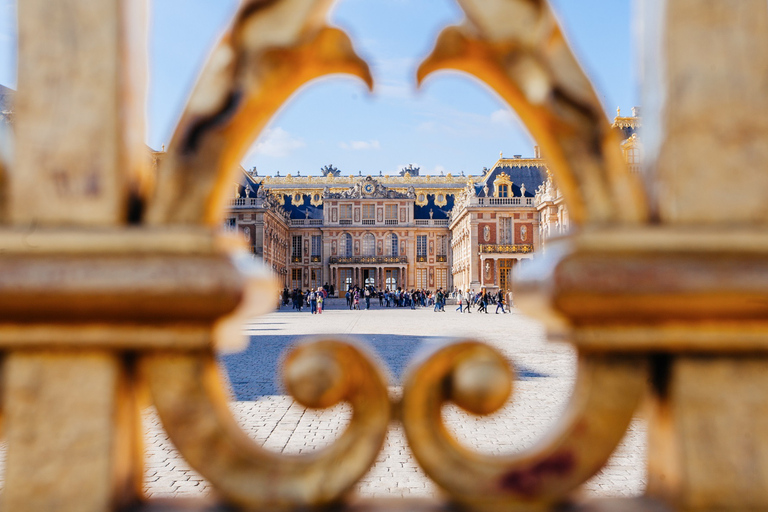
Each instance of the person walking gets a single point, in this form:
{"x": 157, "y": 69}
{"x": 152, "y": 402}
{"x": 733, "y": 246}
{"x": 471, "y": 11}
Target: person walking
{"x": 312, "y": 302}
{"x": 500, "y": 302}
{"x": 481, "y": 299}
{"x": 320, "y": 298}
{"x": 467, "y": 301}
{"x": 367, "y": 298}
{"x": 460, "y": 300}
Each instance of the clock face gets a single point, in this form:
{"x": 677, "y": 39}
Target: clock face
{"x": 368, "y": 188}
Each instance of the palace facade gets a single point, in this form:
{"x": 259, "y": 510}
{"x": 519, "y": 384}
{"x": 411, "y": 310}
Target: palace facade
{"x": 408, "y": 230}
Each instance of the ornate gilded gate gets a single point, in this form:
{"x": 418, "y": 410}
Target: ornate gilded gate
{"x": 114, "y": 288}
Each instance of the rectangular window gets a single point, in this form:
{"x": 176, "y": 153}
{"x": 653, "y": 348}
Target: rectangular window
{"x": 421, "y": 247}
{"x": 369, "y": 211}
{"x": 345, "y": 279}
{"x": 442, "y": 248}
{"x": 506, "y": 231}
{"x": 345, "y": 212}
{"x": 314, "y": 278}
{"x": 390, "y": 212}
{"x": 317, "y": 245}
{"x": 296, "y": 278}
{"x": 296, "y": 249}
{"x": 441, "y": 278}
{"x": 421, "y": 278}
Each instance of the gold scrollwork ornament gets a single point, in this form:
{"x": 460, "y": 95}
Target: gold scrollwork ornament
{"x": 190, "y": 399}
{"x": 478, "y": 379}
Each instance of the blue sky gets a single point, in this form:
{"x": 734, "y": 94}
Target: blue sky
{"x": 453, "y": 124}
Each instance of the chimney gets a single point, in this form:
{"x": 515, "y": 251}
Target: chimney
{"x": 536, "y": 152}
{"x": 518, "y": 156}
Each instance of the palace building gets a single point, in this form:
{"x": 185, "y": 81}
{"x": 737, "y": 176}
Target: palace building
{"x": 409, "y": 230}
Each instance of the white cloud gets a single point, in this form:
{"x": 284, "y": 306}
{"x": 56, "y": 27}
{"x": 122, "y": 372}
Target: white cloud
{"x": 503, "y": 116}
{"x": 276, "y": 142}
{"x": 360, "y": 145}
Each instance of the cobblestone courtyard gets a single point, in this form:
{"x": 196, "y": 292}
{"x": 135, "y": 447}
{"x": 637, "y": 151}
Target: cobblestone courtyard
{"x": 545, "y": 373}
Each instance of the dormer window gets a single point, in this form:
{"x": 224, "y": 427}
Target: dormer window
{"x": 503, "y": 191}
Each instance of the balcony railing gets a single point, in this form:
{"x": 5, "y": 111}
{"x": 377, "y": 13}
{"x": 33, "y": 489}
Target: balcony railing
{"x": 369, "y": 222}
{"x": 506, "y": 248}
{"x": 440, "y": 258}
{"x": 244, "y": 201}
{"x": 345, "y": 222}
{"x": 296, "y": 259}
{"x": 306, "y": 222}
{"x": 315, "y": 259}
{"x": 390, "y": 222}
{"x": 367, "y": 259}
{"x": 421, "y": 258}
{"x": 501, "y": 201}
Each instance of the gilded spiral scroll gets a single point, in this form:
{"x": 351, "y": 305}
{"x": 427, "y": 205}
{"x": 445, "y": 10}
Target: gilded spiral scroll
{"x": 518, "y": 49}
{"x": 273, "y": 48}
{"x": 190, "y": 400}
{"x": 478, "y": 379}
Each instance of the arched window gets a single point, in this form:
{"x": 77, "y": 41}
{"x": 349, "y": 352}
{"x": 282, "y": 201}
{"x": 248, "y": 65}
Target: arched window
{"x": 393, "y": 245}
{"x": 346, "y": 245}
{"x": 369, "y": 245}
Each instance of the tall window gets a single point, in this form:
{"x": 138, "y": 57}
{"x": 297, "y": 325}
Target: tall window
{"x": 391, "y": 278}
{"x": 421, "y": 278}
{"x": 393, "y": 245}
{"x": 369, "y": 211}
{"x": 314, "y": 279}
{"x": 506, "y": 231}
{"x": 633, "y": 156}
{"x": 346, "y": 245}
{"x": 441, "y": 278}
{"x": 442, "y": 243}
{"x": 369, "y": 245}
{"x": 421, "y": 247}
{"x": 296, "y": 249}
{"x": 296, "y": 278}
{"x": 390, "y": 212}
{"x": 345, "y": 279}
{"x": 345, "y": 212}
{"x": 503, "y": 191}
{"x": 317, "y": 243}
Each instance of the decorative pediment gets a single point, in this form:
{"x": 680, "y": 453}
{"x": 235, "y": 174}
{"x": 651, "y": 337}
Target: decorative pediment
{"x": 369, "y": 188}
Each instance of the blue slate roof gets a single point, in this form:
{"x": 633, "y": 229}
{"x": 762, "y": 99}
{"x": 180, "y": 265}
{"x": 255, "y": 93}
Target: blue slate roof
{"x": 299, "y": 211}
{"x": 530, "y": 176}
{"x": 438, "y": 212}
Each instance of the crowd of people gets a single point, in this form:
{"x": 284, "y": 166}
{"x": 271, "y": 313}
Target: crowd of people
{"x": 358, "y": 298}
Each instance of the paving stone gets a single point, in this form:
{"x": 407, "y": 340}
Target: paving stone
{"x": 545, "y": 376}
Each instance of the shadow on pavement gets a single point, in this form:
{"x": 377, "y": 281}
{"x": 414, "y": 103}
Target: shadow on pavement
{"x": 255, "y": 372}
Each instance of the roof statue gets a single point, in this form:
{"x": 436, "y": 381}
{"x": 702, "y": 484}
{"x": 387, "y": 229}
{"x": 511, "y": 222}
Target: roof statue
{"x": 410, "y": 170}
{"x": 330, "y": 170}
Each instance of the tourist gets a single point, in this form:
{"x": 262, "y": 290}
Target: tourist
{"x": 500, "y": 302}
{"x": 320, "y": 298}
{"x": 460, "y": 300}
{"x": 313, "y": 302}
{"x": 467, "y": 301}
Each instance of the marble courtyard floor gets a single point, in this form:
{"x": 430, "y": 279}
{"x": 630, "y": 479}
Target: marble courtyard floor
{"x": 545, "y": 375}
